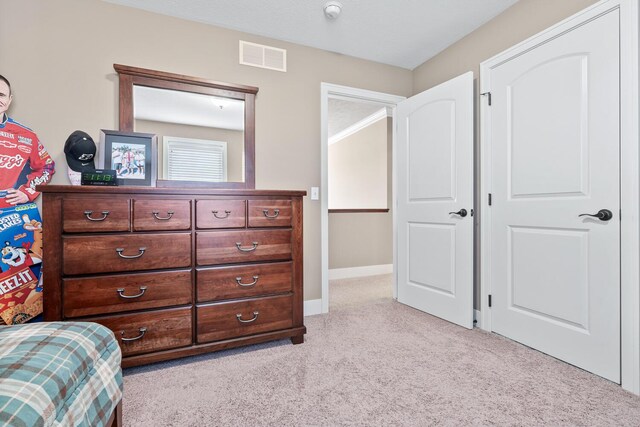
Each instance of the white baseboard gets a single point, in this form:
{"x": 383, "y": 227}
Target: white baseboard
{"x": 367, "y": 270}
{"x": 478, "y": 318}
{"x": 312, "y": 307}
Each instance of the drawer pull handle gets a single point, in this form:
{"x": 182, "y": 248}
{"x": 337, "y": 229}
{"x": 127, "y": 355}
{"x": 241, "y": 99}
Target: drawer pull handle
{"x": 255, "y": 317}
{"x": 120, "y": 292}
{"x": 89, "y": 213}
{"x": 227, "y": 213}
{"x": 241, "y": 249}
{"x": 246, "y": 285}
{"x": 276, "y": 212}
{"x": 120, "y": 250}
{"x": 166, "y": 218}
{"x": 142, "y": 332}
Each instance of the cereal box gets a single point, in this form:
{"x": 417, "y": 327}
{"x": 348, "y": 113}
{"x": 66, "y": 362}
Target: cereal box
{"x": 20, "y": 279}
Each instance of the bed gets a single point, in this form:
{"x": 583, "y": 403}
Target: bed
{"x": 60, "y": 374}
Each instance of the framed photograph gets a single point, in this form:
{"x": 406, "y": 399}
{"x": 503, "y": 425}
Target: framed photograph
{"x": 133, "y": 155}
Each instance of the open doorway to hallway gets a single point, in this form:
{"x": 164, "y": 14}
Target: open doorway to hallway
{"x": 358, "y": 232}
{"x": 359, "y": 194}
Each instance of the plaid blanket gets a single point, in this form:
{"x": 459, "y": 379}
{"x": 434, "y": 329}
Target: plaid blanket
{"x": 58, "y": 374}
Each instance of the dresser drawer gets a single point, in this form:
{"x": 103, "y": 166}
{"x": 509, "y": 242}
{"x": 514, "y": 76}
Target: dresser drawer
{"x": 221, "y": 214}
{"x": 221, "y": 283}
{"x": 150, "y": 331}
{"x": 95, "y": 215}
{"x": 125, "y": 252}
{"x": 92, "y": 296}
{"x": 223, "y": 320}
{"x": 226, "y": 247}
{"x": 156, "y": 214}
{"x": 269, "y": 213}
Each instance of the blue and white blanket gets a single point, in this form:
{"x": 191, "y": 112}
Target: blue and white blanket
{"x": 58, "y": 374}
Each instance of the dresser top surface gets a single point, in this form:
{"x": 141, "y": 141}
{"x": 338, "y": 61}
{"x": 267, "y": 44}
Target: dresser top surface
{"x": 88, "y": 189}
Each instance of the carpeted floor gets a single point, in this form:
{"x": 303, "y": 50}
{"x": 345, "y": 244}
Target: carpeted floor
{"x": 374, "y": 362}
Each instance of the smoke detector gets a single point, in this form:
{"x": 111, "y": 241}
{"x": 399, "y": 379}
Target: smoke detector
{"x": 332, "y": 9}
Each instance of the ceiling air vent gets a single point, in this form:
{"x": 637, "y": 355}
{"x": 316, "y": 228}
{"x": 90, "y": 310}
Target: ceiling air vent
{"x": 258, "y": 55}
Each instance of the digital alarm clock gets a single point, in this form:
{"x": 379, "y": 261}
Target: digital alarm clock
{"x": 99, "y": 177}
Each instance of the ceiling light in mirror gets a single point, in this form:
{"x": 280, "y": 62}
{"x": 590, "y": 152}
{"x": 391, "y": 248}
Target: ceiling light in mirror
{"x": 201, "y": 136}
{"x": 195, "y": 109}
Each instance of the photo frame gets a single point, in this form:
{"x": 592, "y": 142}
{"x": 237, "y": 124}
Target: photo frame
{"x": 133, "y": 155}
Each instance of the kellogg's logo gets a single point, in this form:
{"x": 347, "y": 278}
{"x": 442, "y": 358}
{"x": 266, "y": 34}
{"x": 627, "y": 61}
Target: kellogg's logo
{"x": 37, "y": 181}
{"x": 9, "y": 162}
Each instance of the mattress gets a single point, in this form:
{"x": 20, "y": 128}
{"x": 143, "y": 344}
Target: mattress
{"x": 58, "y": 374}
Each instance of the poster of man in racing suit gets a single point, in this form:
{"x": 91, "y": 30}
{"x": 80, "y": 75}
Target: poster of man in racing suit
{"x": 24, "y": 164}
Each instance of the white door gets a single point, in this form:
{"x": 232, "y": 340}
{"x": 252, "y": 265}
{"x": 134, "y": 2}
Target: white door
{"x": 435, "y": 201}
{"x": 554, "y": 141}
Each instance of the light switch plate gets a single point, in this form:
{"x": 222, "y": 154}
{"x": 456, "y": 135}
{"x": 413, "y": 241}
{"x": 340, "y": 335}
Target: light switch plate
{"x": 315, "y": 193}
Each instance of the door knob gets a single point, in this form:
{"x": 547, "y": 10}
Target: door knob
{"x": 602, "y": 215}
{"x": 461, "y": 212}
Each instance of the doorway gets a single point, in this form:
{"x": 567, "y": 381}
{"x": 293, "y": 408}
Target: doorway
{"x": 360, "y": 214}
{"x": 377, "y": 101}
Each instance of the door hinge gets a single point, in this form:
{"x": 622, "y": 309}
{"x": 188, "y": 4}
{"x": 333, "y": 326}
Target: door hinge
{"x": 489, "y": 300}
{"x": 488, "y": 95}
{"x": 489, "y": 199}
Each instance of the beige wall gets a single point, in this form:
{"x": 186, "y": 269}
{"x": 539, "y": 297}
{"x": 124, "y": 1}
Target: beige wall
{"x": 361, "y": 239}
{"x": 61, "y": 68}
{"x": 519, "y": 22}
{"x": 358, "y": 169}
{"x": 233, "y": 138}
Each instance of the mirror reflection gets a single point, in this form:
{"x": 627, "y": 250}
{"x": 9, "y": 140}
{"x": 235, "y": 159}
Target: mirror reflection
{"x": 200, "y": 137}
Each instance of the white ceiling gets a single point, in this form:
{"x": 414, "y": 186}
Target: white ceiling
{"x": 343, "y": 114}
{"x": 404, "y": 33}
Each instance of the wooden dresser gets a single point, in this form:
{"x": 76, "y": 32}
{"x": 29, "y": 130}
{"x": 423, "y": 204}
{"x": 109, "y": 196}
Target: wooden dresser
{"x": 175, "y": 272}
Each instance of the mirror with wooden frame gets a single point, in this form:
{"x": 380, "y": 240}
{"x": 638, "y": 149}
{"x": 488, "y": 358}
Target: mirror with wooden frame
{"x": 205, "y": 128}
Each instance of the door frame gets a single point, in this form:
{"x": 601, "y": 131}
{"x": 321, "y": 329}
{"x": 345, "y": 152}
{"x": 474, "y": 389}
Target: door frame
{"x": 629, "y": 174}
{"x": 327, "y": 91}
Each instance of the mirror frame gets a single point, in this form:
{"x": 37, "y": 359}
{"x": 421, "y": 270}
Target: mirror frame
{"x": 129, "y": 76}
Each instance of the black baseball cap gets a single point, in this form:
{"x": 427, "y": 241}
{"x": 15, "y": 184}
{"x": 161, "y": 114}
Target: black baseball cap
{"x": 80, "y": 151}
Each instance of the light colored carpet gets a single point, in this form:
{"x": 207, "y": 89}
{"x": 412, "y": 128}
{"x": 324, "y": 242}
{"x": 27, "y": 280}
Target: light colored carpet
{"x": 374, "y": 362}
